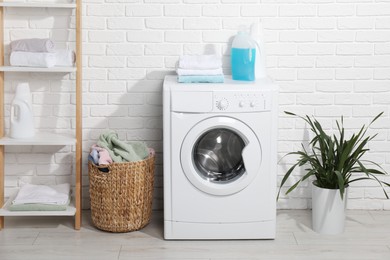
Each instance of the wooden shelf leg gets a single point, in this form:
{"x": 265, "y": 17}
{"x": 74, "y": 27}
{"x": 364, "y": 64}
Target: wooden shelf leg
{"x": 78, "y": 189}
{"x": 79, "y": 115}
{"x": 1, "y": 115}
{"x": 1, "y": 183}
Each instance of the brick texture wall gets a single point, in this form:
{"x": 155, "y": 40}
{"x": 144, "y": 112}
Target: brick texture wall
{"x": 330, "y": 58}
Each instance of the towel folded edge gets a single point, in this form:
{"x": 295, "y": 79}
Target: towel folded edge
{"x": 201, "y": 79}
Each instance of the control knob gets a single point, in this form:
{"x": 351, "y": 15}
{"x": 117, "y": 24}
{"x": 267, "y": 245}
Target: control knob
{"x": 241, "y": 103}
{"x": 222, "y": 104}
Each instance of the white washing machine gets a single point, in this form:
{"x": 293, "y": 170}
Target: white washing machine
{"x": 220, "y": 159}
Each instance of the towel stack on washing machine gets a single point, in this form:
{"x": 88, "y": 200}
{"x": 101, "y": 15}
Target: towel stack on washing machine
{"x": 220, "y": 159}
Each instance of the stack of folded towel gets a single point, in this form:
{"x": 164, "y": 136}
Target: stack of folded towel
{"x": 200, "y": 69}
{"x": 33, "y": 197}
{"x": 39, "y": 53}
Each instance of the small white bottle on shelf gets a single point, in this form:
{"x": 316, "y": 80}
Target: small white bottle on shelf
{"x": 22, "y": 120}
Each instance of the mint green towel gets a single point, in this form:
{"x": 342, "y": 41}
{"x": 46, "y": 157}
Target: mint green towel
{"x": 200, "y": 79}
{"x": 38, "y": 207}
{"x": 121, "y": 151}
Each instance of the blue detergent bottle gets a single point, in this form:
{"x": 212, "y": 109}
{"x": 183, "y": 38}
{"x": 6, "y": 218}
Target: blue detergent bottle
{"x": 243, "y": 56}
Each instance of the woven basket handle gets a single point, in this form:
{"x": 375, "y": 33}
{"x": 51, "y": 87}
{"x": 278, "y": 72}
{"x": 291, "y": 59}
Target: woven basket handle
{"x": 104, "y": 168}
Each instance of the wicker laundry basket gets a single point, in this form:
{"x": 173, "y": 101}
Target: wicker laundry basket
{"x": 121, "y": 197}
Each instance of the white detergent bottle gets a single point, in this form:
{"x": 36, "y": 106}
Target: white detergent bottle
{"x": 257, "y": 35}
{"x": 22, "y": 120}
{"x": 243, "y": 56}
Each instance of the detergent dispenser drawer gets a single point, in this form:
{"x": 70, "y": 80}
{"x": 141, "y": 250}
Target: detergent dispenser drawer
{"x": 192, "y": 101}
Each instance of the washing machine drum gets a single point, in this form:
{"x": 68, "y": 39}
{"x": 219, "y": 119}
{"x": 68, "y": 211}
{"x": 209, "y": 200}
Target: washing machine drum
{"x": 217, "y": 155}
{"x": 220, "y": 155}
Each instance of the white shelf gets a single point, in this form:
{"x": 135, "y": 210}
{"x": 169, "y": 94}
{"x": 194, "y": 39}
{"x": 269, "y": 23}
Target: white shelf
{"x": 37, "y": 4}
{"x": 75, "y": 8}
{"x": 70, "y": 211}
{"x": 34, "y": 69}
{"x": 40, "y": 139}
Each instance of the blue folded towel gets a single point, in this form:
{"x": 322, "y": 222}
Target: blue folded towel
{"x": 200, "y": 79}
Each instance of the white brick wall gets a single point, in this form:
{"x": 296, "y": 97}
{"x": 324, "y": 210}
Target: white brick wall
{"x": 330, "y": 58}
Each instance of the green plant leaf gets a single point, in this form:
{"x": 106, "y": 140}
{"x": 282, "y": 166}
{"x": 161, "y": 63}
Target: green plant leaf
{"x": 290, "y": 113}
{"x": 286, "y": 176}
{"x": 372, "y": 176}
{"x": 378, "y": 116}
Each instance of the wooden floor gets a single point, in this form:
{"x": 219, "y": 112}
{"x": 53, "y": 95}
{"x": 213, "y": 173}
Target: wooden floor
{"x": 367, "y": 237}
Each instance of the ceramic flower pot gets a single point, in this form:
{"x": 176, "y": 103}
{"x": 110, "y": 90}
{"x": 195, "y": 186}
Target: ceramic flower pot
{"x": 328, "y": 210}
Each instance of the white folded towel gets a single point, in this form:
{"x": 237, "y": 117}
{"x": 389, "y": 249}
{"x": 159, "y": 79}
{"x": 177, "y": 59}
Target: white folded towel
{"x": 31, "y": 193}
{"x": 33, "y": 59}
{"x": 189, "y": 72}
{"x": 203, "y": 62}
{"x": 33, "y": 45}
{"x": 65, "y": 58}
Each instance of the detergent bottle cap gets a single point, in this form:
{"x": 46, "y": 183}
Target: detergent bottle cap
{"x": 243, "y": 39}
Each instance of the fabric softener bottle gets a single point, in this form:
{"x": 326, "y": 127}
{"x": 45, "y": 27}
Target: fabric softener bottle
{"x": 243, "y": 56}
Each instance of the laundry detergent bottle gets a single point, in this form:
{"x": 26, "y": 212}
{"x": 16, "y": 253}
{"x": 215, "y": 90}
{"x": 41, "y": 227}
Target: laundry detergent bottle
{"x": 243, "y": 56}
{"x": 22, "y": 121}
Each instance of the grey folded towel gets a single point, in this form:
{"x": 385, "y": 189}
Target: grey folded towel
{"x": 33, "y": 45}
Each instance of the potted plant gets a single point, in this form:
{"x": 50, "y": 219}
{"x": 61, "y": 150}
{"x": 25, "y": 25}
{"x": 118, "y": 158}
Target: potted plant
{"x": 334, "y": 161}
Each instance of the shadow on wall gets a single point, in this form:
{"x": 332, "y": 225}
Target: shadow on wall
{"x": 134, "y": 111}
{"x": 300, "y": 198}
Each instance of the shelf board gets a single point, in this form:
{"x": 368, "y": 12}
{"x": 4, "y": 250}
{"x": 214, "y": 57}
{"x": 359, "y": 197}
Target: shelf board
{"x": 35, "y": 69}
{"x": 37, "y": 4}
{"x": 70, "y": 211}
{"x": 40, "y": 139}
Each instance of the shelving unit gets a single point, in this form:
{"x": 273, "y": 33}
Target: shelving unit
{"x": 37, "y": 5}
{"x": 70, "y": 211}
{"x": 31, "y": 69}
{"x": 40, "y": 139}
{"x": 44, "y": 139}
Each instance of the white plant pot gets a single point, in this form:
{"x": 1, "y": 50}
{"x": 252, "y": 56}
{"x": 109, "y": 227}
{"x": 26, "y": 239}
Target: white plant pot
{"x": 328, "y": 210}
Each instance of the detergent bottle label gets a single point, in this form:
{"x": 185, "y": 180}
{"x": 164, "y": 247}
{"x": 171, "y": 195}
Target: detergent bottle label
{"x": 243, "y": 63}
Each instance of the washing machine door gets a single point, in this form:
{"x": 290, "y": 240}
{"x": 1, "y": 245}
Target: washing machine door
{"x": 221, "y": 155}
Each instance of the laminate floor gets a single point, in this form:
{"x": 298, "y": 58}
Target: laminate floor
{"x": 367, "y": 236}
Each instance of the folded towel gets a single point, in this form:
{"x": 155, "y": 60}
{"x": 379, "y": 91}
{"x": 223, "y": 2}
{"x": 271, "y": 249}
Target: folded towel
{"x": 33, "y": 45}
{"x": 33, "y": 59}
{"x": 120, "y": 151}
{"x": 204, "y": 62}
{"x": 201, "y": 79}
{"x": 38, "y": 207}
{"x": 195, "y": 72}
{"x": 31, "y": 193}
{"x": 65, "y": 58}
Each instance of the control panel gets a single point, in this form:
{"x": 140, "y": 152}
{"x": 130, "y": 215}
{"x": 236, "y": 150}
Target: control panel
{"x": 245, "y": 101}
{"x": 221, "y": 101}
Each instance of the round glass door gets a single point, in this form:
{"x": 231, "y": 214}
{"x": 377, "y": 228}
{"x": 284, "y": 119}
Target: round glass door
{"x": 217, "y": 155}
{"x": 220, "y": 155}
